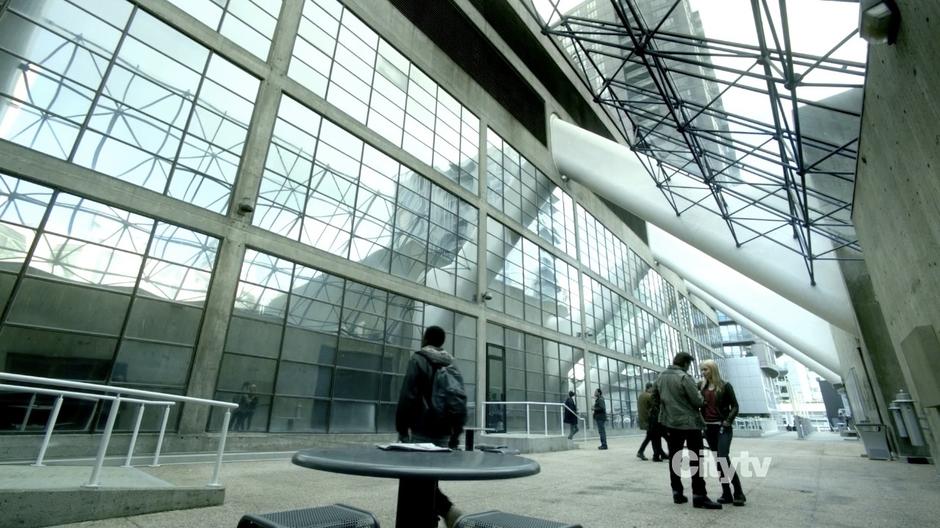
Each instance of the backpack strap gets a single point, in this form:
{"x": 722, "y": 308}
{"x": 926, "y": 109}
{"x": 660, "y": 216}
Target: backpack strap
{"x": 432, "y": 368}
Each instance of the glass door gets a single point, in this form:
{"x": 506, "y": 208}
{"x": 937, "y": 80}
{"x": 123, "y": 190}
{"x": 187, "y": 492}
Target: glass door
{"x": 496, "y": 387}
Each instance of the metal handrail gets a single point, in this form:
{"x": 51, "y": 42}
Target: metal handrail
{"x": 165, "y": 400}
{"x": 561, "y": 416}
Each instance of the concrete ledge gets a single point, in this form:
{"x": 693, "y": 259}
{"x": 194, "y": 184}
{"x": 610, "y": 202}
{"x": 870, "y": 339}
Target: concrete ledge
{"x": 47, "y": 507}
{"x": 527, "y": 443}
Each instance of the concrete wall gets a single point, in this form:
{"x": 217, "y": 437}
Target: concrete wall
{"x": 897, "y": 195}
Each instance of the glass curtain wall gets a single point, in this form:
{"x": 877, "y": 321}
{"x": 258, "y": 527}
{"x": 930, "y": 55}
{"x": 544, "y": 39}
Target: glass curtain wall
{"x": 250, "y": 23}
{"x": 328, "y": 189}
{"x": 95, "y": 293}
{"x": 119, "y": 92}
{"x": 535, "y": 369}
{"x": 326, "y": 354}
{"x": 109, "y": 87}
{"x": 621, "y": 383}
{"x": 346, "y": 62}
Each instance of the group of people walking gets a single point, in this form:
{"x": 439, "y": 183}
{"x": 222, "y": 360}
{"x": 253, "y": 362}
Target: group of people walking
{"x": 684, "y": 410}
{"x": 688, "y": 414}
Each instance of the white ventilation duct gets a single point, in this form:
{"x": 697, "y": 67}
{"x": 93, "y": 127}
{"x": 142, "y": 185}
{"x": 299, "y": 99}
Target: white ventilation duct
{"x": 611, "y": 170}
{"x": 803, "y": 330}
{"x": 763, "y": 333}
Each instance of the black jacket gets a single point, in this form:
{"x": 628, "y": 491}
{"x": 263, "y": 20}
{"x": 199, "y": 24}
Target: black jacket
{"x": 600, "y": 409}
{"x": 727, "y": 403}
{"x": 411, "y": 415}
{"x": 570, "y": 405}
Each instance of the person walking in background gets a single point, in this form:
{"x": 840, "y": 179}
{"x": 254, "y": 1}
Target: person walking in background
{"x": 650, "y": 423}
{"x": 247, "y": 402}
{"x": 571, "y": 415}
{"x": 414, "y": 419}
{"x": 719, "y": 412}
{"x": 600, "y": 417}
{"x": 678, "y": 399}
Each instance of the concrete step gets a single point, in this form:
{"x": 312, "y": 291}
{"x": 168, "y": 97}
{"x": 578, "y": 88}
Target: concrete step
{"x": 33, "y": 496}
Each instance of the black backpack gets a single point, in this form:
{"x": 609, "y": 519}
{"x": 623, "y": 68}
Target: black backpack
{"x": 447, "y": 403}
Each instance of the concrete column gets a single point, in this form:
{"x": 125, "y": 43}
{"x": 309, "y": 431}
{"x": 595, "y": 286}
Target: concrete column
{"x": 897, "y": 191}
{"x": 208, "y": 358}
{"x": 481, "y": 276}
{"x": 588, "y": 384}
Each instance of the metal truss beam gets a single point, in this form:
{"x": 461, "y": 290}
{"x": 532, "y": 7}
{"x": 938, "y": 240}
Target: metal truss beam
{"x": 664, "y": 85}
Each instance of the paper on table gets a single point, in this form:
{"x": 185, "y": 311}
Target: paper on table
{"x": 400, "y": 446}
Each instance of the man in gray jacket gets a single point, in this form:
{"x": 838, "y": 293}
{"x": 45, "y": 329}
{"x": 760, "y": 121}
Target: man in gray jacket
{"x": 677, "y": 401}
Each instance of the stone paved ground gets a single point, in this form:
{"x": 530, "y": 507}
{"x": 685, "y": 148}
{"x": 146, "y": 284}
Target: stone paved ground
{"x": 822, "y": 481}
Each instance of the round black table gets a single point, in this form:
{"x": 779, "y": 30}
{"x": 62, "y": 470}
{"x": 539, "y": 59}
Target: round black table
{"x": 417, "y": 472}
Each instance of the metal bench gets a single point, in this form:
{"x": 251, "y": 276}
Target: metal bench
{"x": 498, "y": 519}
{"x": 335, "y": 516}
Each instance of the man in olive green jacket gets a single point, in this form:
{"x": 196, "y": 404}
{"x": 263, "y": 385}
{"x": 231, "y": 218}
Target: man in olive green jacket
{"x": 677, "y": 401}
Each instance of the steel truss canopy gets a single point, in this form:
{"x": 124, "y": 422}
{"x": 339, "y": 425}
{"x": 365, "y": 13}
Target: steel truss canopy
{"x": 749, "y": 109}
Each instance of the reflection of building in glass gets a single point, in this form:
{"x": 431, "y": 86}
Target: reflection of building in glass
{"x": 287, "y": 208}
{"x": 632, "y": 85}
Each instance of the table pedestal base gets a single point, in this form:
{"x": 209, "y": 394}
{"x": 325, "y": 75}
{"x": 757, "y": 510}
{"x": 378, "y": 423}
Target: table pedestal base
{"x": 416, "y": 504}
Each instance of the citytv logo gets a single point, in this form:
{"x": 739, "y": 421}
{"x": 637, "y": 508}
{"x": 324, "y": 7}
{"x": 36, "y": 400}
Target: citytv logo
{"x": 686, "y": 463}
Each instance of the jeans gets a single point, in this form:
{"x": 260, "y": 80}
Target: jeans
{"x": 692, "y": 439}
{"x": 442, "y": 503}
{"x": 573, "y": 430}
{"x": 655, "y": 437}
{"x": 602, "y": 430}
{"x": 719, "y": 441}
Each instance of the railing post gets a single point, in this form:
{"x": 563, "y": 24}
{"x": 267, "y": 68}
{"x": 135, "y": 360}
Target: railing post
{"x": 527, "y": 428}
{"x": 50, "y": 425}
{"x": 562, "y": 418}
{"x": 94, "y": 481}
{"x": 29, "y": 411}
{"x": 156, "y": 453}
{"x": 545, "y": 418}
{"x": 218, "y": 458}
{"x": 130, "y": 449}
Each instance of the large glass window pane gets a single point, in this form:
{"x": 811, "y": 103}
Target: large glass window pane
{"x": 299, "y": 415}
{"x": 164, "y": 321}
{"x": 168, "y": 117}
{"x": 153, "y": 364}
{"x": 352, "y": 417}
{"x": 312, "y": 361}
{"x": 300, "y": 379}
{"x": 56, "y": 354}
{"x": 340, "y": 58}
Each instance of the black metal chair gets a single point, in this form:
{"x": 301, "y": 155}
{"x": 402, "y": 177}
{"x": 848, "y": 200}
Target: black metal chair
{"x": 335, "y": 516}
{"x": 498, "y": 519}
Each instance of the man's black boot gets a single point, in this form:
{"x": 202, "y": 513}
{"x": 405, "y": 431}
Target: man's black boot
{"x": 726, "y": 497}
{"x": 702, "y": 501}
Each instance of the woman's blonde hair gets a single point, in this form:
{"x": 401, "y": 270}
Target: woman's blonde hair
{"x": 714, "y": 374}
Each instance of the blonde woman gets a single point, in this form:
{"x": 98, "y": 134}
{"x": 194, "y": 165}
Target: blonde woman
{"x": 719, "y": 412}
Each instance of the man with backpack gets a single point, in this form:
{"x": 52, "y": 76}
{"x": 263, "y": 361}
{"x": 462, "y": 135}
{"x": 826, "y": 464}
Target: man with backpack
{"x": 432, "y": 405}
